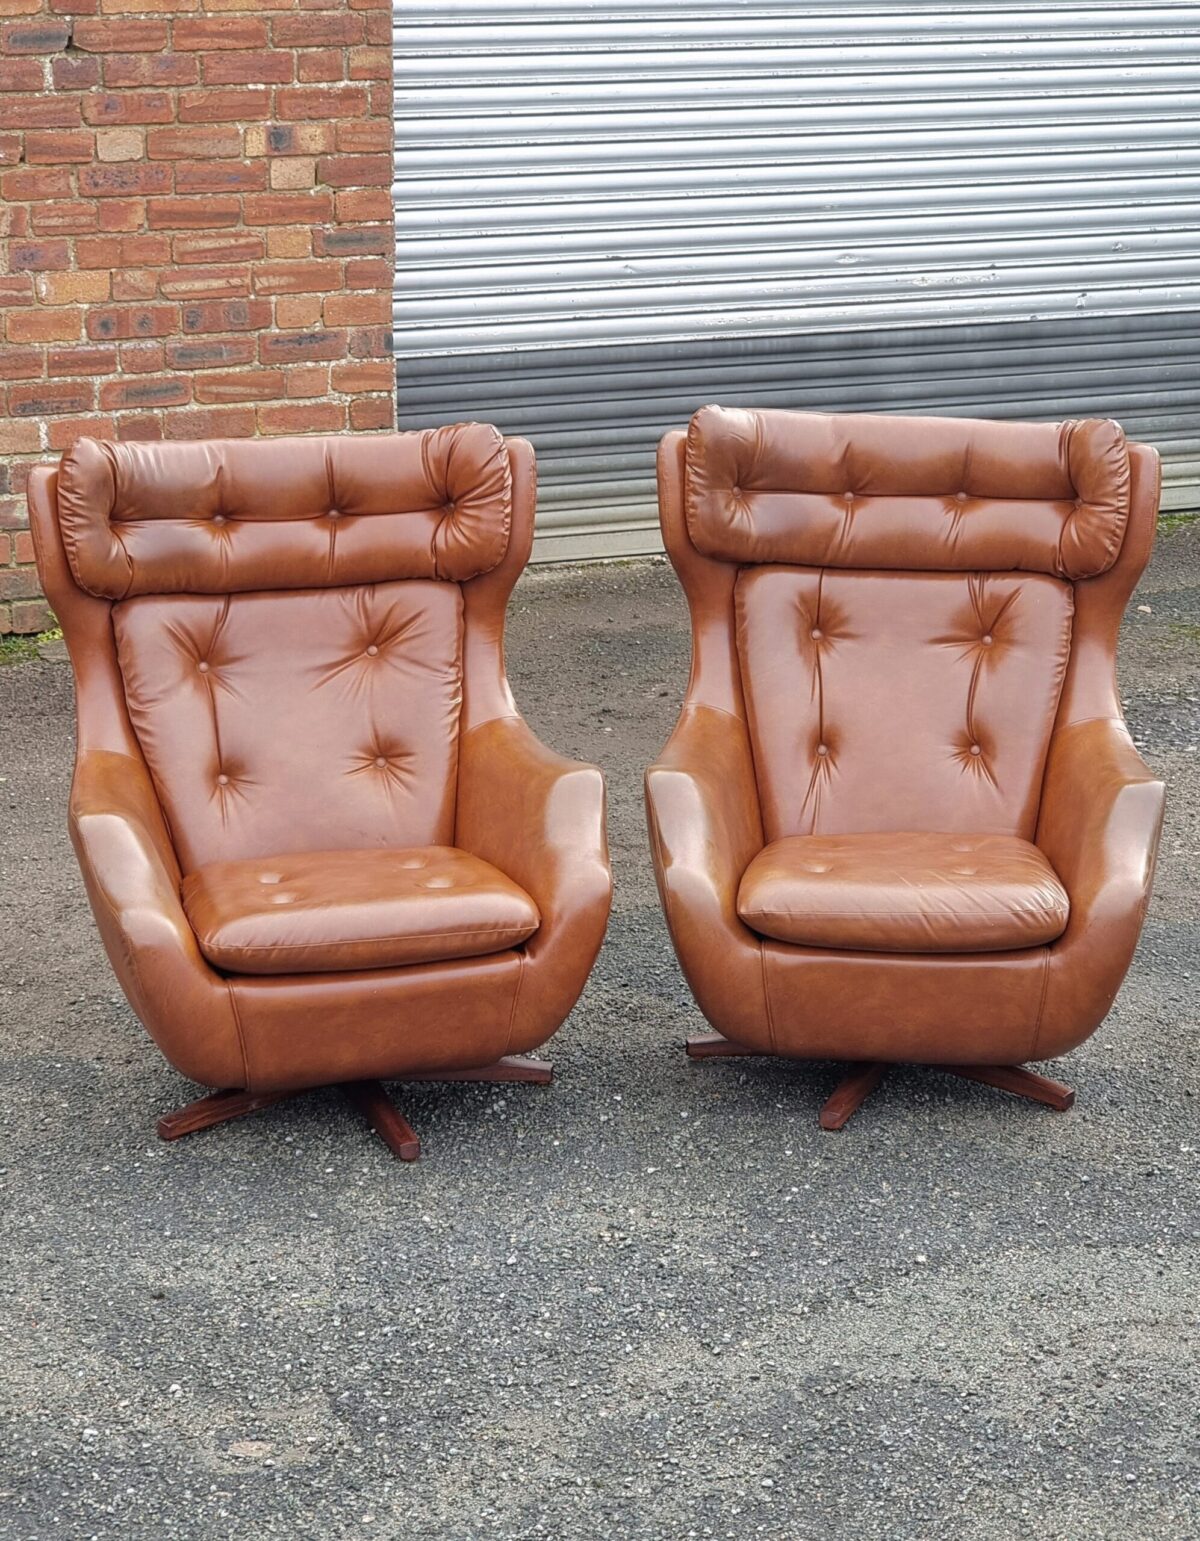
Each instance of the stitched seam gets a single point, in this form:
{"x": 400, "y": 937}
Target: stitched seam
{"x": 357, "y": 941}
{"x": 762, "y": 958}
{"x": 512, "y": 1016}
{"x": 237, "y": 1022}
{"x": 1037, "y": 1026}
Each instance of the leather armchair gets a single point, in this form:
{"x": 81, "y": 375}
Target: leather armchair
{"x": 320, "y": 843}
{"x": 900, "y": 817}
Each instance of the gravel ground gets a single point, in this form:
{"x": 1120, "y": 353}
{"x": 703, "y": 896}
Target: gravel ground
{"x": 654, "y": 1301}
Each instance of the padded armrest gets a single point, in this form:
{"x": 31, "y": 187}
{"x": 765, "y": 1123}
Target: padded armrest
{"x": 539, "y": 818}
{"x": 132, "y": 880}
{"x": 1099, "y": 826}
{"x": 706, "y": 827}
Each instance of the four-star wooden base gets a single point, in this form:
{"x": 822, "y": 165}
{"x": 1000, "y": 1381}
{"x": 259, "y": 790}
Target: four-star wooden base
{"x": 368, "y": 1097}
{"x": 854, "y": 1090}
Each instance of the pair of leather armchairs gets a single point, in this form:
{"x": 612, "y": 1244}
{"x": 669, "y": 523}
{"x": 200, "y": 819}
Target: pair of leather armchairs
{"x": 900, "y": 818}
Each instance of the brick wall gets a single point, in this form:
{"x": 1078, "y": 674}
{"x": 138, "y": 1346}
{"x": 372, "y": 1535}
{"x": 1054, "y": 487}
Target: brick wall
{"x": 195, "y": 229}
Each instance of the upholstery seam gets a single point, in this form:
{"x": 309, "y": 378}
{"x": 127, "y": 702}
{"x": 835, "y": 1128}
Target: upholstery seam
{"x": 1037, "y": 1026}
{"x": 424, "y": 936}
{"x": 237, "y": 1022}
{"x": 512, "y": 1015}
{"x": 762, "y": 958}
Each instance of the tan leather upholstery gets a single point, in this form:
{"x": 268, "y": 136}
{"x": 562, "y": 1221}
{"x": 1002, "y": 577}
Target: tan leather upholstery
{"x": 904, "y": 893}
{"x": 928, "y": 729}
{"x": 333, "y": 911}
{"x": 288, "y": 658}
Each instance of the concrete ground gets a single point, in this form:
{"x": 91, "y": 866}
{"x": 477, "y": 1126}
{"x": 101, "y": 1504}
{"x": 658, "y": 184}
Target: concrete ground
{"x": 652, "y": 1302}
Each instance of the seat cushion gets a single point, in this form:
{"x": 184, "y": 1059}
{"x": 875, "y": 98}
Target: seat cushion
{"x": 926, "y": 893}
{"x": 331, "y": 911}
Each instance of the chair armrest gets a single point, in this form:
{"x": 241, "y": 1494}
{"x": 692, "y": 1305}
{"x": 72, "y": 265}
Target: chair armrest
{"x": 1099, "y": 826}
{"x": 705, "y": 828}
{"x": 132, "y": 880}
{"x": 539, "y": 817}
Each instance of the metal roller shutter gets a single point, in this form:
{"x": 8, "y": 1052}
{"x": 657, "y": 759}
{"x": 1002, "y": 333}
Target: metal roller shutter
{"x": 609, "y": 213}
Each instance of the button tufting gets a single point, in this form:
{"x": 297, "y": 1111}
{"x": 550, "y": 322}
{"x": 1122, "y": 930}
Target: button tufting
{"x": 438, "y": 883}
{"x": 270, "y": 877}
{"x": 380, "y": 760}
{"x": 222, "y": 781}
{"x": 987, "y": 639}
{"x": 412, "y": 861}
{"x": 816, "y": 633}
{"x": 372, "y": 651}
{"x": 283, "y": 898}
{"x": 335, "y": 513}
{"x": 975, "y": 749}
{"x": 822, "y": 748}
{"x": 202, "y": 666}
{"x": 218, "y": 518}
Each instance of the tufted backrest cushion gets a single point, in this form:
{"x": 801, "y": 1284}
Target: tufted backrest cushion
{"x": 226, "y": 517}
{"x": 906, "y": 493}
{"x": 319, "y": 720}
{"x": 885, "y": 701}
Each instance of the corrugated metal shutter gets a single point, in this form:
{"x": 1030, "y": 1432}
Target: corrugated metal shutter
{"x": 609, "y": 213}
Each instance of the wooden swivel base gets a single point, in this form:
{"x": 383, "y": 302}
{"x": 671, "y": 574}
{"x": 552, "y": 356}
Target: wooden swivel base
{"x": 368, "y": 1097}
{"x": 854, "y": 1090}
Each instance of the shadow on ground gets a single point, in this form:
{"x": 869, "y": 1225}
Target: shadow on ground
{"x": 652, "y": 1302}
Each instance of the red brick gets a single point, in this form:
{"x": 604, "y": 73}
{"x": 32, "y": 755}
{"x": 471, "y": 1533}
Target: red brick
{"x": 226, "y": 316}
{"x": 123, "y": 179}
{"x": 192, "y": 213}
{"x": 62, "y": 435}
{"x": 245, "y": 385}
{"x": 128, "y": 107}
{"x": 139, "y": 426}
{"x": 48, "y": 148}
{"x": 324, "y": 64}
{"x": 298, "y": 312}
{"x": 22, "y": 75}
{"x": 362, "y": 205}
{"x": 34, "y": 37}
{"x": 357, "y": 309}
{"x": 369, "y": 342}
{"x": 38, "y": 256}
{"x": 323, "y": 102}
{"x": 221, "y": 177}
{"x": 370, "y": 64}
{"x": 212, "y": 423}
{"x": 297, "y": 277}
{"x": 189, "y": 249}
{"x": 51, "y": 398}
{"x": 10, "y": 149}
{"x": 18, "y": 582}
{"x": 290, "y": 138}
{"x": 223, "y": 106}
{"x": 211, "y": 353}
{"x": 77, "y": 288}
{"x": 369, "y": 273}
{"x": 129, "y": 251}
{"x": 288, "y": 208}
{"x": 356, "y": 170}
{"x": 362, "y": 241}
{"x": 204, "y": 35}
{"x": 363, "y": 138}
{"x": 293, "y": 417}
{"x": 338, "y": 30}
{"x": 122, "y": 322}
{"x": 16, "y": 289}
{"x": 135, "y": 284}
{"x": 19, "y": 439}
{"x": 169, "y": 391}
{"x": 72, "y": 73}
{"x": 300, "y": 347}
{"x": 65, "y": 218}
{"x": 81, "y": 361}
{"x": 31, "y": 616}
{"x": 119, "y": 35}
{"x": 22, "y": 544}
{"x": 306, "y": 380}
{"x": 49, "y": 111}
{"x": 353, "y": 376}
{"x": 151, "y": 70}
{"x": 193, "y": 143}
{"x": 143, "y": 358}
{"x": 20, "y": 363}
{"x": 127, "y": 214}
{"x": 250, "y": 69}
{"x": 42, "y": 183}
